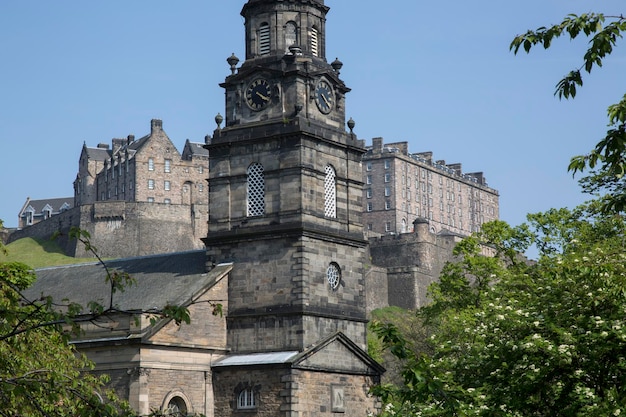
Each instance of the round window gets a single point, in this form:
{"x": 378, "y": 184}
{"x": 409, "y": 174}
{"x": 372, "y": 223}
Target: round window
{"x": 333, "y": 274}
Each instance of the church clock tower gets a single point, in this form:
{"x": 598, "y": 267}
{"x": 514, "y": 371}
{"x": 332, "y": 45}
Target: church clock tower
{"x": 285, "y": 203}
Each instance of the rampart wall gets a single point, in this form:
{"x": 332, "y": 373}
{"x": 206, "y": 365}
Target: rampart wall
{"x": 121, "y": 229}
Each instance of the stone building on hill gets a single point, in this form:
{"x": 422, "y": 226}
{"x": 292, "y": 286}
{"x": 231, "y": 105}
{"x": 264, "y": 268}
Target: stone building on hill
{"x": 146, "y": 170}
{"x": 136, "y": 197}
{"x": 401, "y": 186}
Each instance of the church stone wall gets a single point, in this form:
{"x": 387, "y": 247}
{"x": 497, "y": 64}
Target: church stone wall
{"x": 284, "y": 392}
{"x": 189, "y": 384}
{"x": 271, "y": 388}
{"x": 328, "y": 394}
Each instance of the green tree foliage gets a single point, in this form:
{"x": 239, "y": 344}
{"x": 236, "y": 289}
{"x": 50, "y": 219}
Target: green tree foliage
{"x": 515, "y": 338}
{"x": 606, "y": 163}
{"x": 41, "y": 373}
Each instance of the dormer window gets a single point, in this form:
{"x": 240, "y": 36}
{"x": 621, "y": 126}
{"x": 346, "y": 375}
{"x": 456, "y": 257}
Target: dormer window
{"x": 314, "y": 42}
{"x": 264, "y": 39}
{"x": 29, "y": 216}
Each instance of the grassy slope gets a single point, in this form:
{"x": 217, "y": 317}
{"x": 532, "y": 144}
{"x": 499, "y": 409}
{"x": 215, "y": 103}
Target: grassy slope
{"x": 39, "y": 253}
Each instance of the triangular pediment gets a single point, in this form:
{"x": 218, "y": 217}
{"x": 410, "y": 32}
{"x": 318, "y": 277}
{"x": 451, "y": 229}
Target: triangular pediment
{"x": 337, "y": 353}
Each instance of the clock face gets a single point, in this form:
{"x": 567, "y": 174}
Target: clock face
{"x": 324, "y": 97}
{"x": 259, "y": 94}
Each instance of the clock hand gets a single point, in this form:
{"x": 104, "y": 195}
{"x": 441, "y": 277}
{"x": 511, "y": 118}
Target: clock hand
{"x": 264, "y": 98}
{"x": 326, "y": 100}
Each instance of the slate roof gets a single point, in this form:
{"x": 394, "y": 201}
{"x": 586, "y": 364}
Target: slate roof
{"x": 55, "y": 203}
{"x": 294, "y": 358}
{"x": 194, "y": 149}
{"x": 160, "y": 279}
{"x": 98, "y": 154}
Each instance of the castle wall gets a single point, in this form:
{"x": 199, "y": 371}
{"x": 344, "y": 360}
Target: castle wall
{"x": 60, "y": 223}
{"x": 377, "y": 291}
{"x": 412, "y": 262}
{"x": 124, "y": 229}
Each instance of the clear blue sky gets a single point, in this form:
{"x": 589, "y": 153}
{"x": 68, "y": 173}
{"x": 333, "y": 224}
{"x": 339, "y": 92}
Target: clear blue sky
{"x": 436, "y": 74}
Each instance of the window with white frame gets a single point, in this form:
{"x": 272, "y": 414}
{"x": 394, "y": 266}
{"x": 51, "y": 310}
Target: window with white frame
{"x": 387, "y": 191}
{"x": 256, "y": 190}
{"x": 368, "y": 166}
{"x": 150, "y": 164}
{"x": 330, "y": 193}
{"x": 167, "y": 185}
{"x": 387, "y": 205}
{"x": 29, "y": 217}
{"x": 150, "y": 199}
{"x": 388, "y": 227}
{"x": 150, "y": 184}
{"x": 168, "y": 165}
{"x": 370, "y": 206}
{"x": 246, "y": 400}
{"x": 387, "y": 164}
{"x": 368, "y": 193}
{"x": 387, "y": 177}
{"x": 368, "y": 179}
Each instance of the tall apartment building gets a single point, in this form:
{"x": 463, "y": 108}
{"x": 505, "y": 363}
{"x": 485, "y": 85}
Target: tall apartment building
{"x": 401, "y": 186}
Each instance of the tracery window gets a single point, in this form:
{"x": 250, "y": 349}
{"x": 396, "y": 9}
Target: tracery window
{"x": 333, "y": 275}
{"x": 256, "y": 190}
{"x": 330, "y": 193}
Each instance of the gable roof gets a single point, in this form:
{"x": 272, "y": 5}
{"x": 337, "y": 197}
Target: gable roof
{"x": 98, "y": 154}
{"x": 54, "y": 203}
{"x": 194, "y": 149}
{"x": 319, "y": 357}
{"x": 160, "y": 280}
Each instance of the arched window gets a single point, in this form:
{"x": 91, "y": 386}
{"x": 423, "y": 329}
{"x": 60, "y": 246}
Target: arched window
{"x": 264, "y": 39}
{"x": 330, "y": 193}
{"x": 176, "y": 407}
{"x": 291, "y": 35}
{"x": 256, "y": 190}
{"x": 246, "y": 400}
{"x": 314, "y": 42}
{"x": 403, "y": 225}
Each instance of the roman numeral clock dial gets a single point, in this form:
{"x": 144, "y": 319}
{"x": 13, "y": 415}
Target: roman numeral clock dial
{"x": 258, "y": 94}
{"x": 324, "y": 96}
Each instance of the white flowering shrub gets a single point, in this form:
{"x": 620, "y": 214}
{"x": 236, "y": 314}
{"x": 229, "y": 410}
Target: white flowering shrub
{"x": 517, "y": 338}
